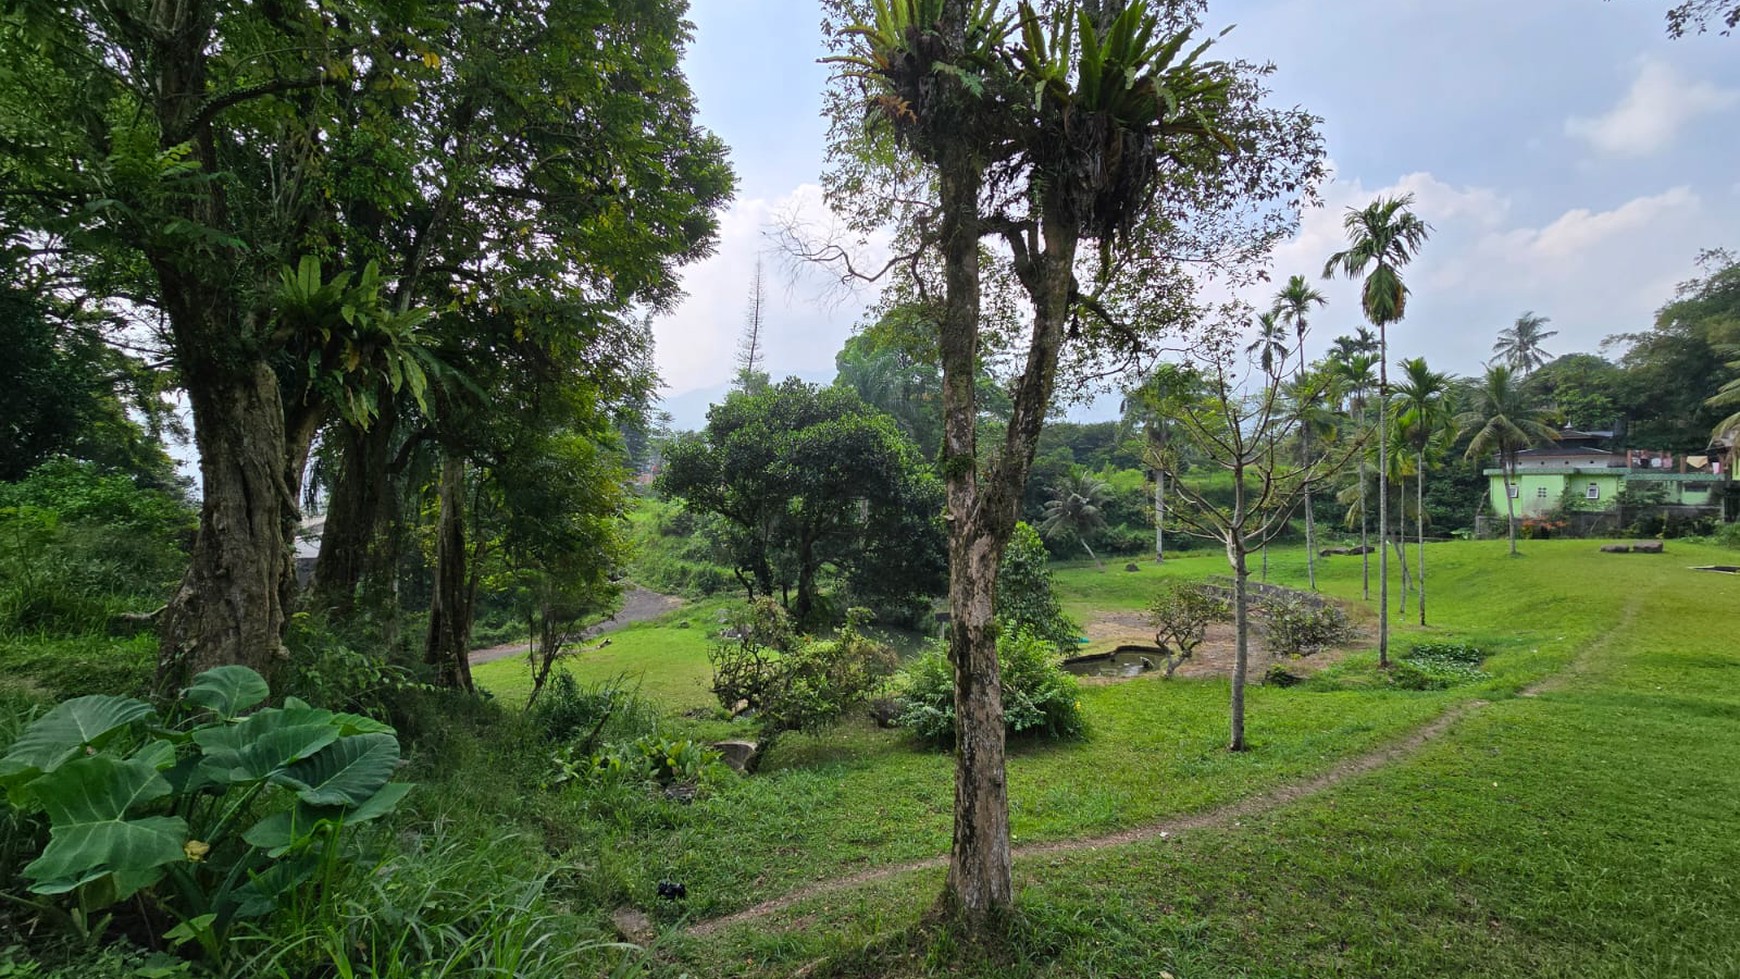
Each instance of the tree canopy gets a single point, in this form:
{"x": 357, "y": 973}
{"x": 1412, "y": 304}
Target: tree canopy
{"x": 811, "y": 479}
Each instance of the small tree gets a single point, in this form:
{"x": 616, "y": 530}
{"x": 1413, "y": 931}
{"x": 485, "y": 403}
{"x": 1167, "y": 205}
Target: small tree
{"x": 1025, "y": 599}
{"x": 1240, "y": 423}
{"x": 1181, "y": 614}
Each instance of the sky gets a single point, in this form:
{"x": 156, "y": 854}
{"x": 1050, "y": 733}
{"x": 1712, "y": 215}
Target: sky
{"x": 1571, "y": 159}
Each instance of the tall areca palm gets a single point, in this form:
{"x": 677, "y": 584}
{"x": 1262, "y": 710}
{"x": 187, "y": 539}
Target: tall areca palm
{"x": 1355, "y": 380}
{"x": 1425, "y": 417}
{"x": 1382, "y": 238}
{"x": 1293, "y": 305}
{"x": 1519, "y": 347}
{"x": 1505, "y": 418}
{"x": 1076, "y": 509}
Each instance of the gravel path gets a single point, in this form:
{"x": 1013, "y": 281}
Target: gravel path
{"x": 638, "y": 605}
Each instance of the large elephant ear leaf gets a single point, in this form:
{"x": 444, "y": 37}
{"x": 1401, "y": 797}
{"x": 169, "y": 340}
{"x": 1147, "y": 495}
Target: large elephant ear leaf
{"x": 90, "y": 835}
{"x": 227, "y": 690}
{"x": 347, "y": 773}
{"x": 280, "y": 749}
{"x": 74, "y": 725}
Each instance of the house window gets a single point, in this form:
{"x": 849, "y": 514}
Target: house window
{"x": 1540, "y": 492}
{"x": 1593, "y": 492}
{"x": 1515, "y": 491}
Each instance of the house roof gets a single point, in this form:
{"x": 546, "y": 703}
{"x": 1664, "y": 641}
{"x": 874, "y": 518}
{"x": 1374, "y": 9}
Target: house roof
{"x": 1567, "y": 450}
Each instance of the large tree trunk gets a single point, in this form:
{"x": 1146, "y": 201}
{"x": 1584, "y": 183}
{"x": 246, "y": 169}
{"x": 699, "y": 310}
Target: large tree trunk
{"x": 980, "y": 883}
{"x": 230, "y": 607}
{"x": 354, "y": 513}
{"x": 1159, "y": 515}
{"x": 448, "y": 648}
{"x": 1364, "y": 537}
{"x": 1310, "y": 520}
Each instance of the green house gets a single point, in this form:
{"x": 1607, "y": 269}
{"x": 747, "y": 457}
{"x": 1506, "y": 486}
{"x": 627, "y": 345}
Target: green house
{"x": 1578, "y": 465}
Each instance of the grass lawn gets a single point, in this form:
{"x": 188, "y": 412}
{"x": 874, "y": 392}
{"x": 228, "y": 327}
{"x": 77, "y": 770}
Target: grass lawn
{"x": 857, "y": 798}
{"x": 1587, "y": 830}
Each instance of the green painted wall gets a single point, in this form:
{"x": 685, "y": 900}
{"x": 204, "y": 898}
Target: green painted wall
{"x": 1539, "y": 492}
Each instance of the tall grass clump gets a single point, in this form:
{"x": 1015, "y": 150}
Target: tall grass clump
{"x": 442, "y": 906}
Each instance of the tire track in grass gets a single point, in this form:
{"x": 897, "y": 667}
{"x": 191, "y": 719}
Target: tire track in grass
{"x": 1222, "y": 816}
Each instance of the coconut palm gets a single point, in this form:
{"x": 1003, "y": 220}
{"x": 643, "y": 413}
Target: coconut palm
{"x": 1425, "y": 418}
{"x": 1505, "y": 418}
{"x": 1383, "y": 237}
{"x": 1076, "y": 509}
{"x": 1293, "y": 305}
{"x": 1519, "y": 347}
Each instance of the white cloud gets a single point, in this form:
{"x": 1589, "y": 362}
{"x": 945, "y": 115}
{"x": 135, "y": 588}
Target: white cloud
{"x": 1594, "y": 271}
{"x": 804, "y": 324}
{"x": 1652, "y": 113}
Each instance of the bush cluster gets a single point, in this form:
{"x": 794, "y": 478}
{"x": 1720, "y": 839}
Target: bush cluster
{"x": 1025, "y": 599}
{"x": 790, "y": 682}
{"x": 1297, "y": 626}
{"x": 1039, "y": 698}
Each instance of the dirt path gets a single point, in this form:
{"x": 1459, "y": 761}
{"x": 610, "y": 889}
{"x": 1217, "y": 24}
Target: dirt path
{"x": 638, "y": 605}
{"x": 1222, "y": 816}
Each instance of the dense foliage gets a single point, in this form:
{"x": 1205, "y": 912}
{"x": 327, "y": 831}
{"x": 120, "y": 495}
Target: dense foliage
{"x": 217, "y": 815}
{"x": 1026, "y": 601}
{"x": 790, "y": 682}
{"x": 1039, "y": 698}
{"x": 811, "y": 480}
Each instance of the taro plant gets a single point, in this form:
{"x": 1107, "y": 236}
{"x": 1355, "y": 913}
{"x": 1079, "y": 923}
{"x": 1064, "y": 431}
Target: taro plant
{"x": 209, "y": 817}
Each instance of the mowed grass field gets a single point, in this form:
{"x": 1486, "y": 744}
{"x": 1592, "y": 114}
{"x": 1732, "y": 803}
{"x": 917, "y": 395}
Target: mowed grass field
{"x": 1588, "y": 828}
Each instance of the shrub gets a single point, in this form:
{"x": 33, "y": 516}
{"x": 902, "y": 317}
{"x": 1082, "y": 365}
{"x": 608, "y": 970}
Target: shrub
{"x": 789, "y": 682}
{"x": 1277, "y": 676}
{"x": 1039, "y": 698}
{"x": 1297, "y": 626}
{"x": 606, "y": 711}
{"x": 1025, "y": 599}
{"x": 236, "y": 815}
{"x": 647, "y": 760}
{"x": 329, "y": 666}
{"x": 1181, "y": 614}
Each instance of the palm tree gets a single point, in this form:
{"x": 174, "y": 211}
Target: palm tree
{"x": 1425, "y": 418}
{"x": 1505, "y": 419}
{"x": 1355, "y": 380}
{"x": 1383, "y": 237}
{"x": 1145, "y": 406}
{"x": 1293, "y": 305}
{"x": 1270, "y": 346}
{"x": 1519, "y": 347}
{"x": 1075, "y": 509}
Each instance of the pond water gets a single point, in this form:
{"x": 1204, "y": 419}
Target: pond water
{"x": 1123, "y": 662}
